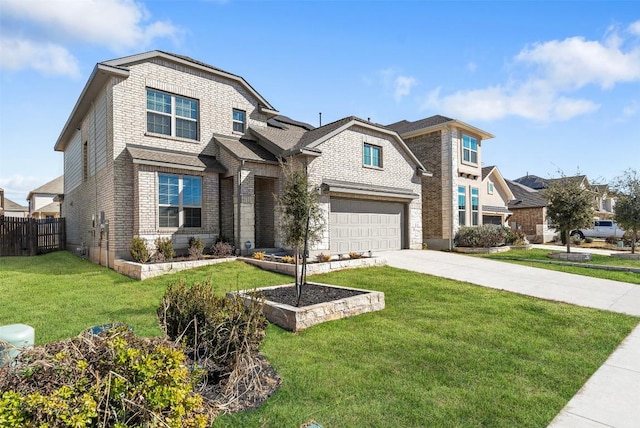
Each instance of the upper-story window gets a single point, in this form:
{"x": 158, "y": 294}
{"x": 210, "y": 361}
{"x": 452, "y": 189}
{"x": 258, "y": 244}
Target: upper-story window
{"x": 172, "y": 115}
{"x": 372, "y": 155}
{"x": 469, "y": 149}
{"x": 179, "y": 200}
{"x": 239, "y": 120}
{"x": 490, "y": 188}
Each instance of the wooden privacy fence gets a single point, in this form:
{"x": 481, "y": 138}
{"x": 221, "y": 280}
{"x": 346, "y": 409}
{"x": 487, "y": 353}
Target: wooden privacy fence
{"x": 30, "y": 236}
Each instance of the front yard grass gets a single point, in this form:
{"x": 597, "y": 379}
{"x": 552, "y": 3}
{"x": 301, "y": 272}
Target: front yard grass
{"x": 536, "y": 258}
{"x": 442, "y": 353}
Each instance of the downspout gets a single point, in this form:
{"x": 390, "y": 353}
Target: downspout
{"x": 451, "y": 200}
{"x": 238, "y": 239}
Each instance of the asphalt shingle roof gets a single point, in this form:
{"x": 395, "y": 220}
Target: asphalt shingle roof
{"x": 201, "y": 161}
{"x": 525, "y": 197}
{"x": 246, "y": 149}
{"x": 405, "y": 126}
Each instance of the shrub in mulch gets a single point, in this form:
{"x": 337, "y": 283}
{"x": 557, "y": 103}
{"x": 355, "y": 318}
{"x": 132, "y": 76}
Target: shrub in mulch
{"x": 484, "y": 236}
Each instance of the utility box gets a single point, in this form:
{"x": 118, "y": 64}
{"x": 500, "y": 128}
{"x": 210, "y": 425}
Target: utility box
{"x": 14, "y": 338}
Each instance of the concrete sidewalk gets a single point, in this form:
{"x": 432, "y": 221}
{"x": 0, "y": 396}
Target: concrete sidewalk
{"x": 611, "y": 397}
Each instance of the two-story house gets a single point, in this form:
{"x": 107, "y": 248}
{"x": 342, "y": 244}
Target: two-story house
{"x": 42, "y": 200}
{"x": 453, "y": 196}
{"x": 162, "y": 145}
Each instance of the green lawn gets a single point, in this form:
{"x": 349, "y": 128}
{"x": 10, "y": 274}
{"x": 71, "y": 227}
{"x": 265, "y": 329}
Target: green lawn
{"x": 538, "y": 257}
{"x": 442, "y": 353}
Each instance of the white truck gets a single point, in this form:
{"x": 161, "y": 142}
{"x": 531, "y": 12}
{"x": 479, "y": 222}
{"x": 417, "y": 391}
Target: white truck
{"x": 601, "y": 229}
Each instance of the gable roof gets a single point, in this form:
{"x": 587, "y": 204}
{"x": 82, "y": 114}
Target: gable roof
{"x": 525, "y": 197}
{"x": 174, "y": 159}
{"x": 9, "y": 205}
{"x": 103, "y": 71}
{"x": 535, "y": 182}
{"x": 498, "y": 179}
{"x": 54, "y": 187}
{"x": 432, "y": 124}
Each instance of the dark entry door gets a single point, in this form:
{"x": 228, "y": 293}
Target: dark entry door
{"x": 264, "y": 211}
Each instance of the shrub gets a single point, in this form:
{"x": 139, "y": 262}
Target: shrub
{"x": 354, "y": 255}
{"x": 164, "y": 249}
{"x": 287, "y": 259}
{"x": 515, "y": 237}
{"x": 259, "y": 255}
{"x": 218, "y": 331}
{"x": 612, "y": 240}
{"x": 222, "y": 249}
{"x": 195, "y": 248}
{"x": 588, "y": 240}
{"x": 488, "y": 235}
{"x": 112, "y": 379}
{"x": 323, "y": 257}
{"x": 139, "y": 250}
{"x": 576, "y": 240}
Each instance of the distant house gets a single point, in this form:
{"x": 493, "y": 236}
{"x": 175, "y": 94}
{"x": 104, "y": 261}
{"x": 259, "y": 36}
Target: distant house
{"x": 604, "y": 200}
{"x": 495, "y": 196}
{"x": 529, "y": 212}
{"x": 454, "y": 195}
{"x": 42, "y": 202}
{"x": 12, "y": 209}
{"x": 162, "y": 145}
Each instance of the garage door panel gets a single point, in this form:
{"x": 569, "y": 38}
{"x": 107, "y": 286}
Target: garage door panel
{"x": 363, "y": 225}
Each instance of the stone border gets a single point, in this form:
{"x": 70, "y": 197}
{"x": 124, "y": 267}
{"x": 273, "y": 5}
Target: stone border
{"x": 316, "y": 268}
{"x": 142, "y": 271}
{"x": 299, "y": 318}
{"x": 628, "y": 256}
{"x": 481, "y": 250}
{"x": 572, "y": 257}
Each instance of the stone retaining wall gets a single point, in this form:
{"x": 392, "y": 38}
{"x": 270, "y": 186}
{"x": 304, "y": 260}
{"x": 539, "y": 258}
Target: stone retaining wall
{"x": 316, "y": 268}
{"x": 142, "y": 271}
{"x": 573, "y": 257}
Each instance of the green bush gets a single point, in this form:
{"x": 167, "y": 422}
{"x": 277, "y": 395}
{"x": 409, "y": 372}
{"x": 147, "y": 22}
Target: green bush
{"x": 217, "y": 331}
{"x": 139, "y": 250}
{"x": 515, "y": 237}
{"x": 112, "y": 379}
{"x": 164, "y": 249}
{"x": 487, "y": 235}
{"x": 196, "y": 245}
{"x": 588, "y": 240}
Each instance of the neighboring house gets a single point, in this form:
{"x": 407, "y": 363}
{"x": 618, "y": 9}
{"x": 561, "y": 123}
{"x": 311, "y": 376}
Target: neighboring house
{"x": 12, "y": 209}
{"x": 453, "y": 196}
{"x": 42, "y": 202}
{"x": 162, "y": 145}
{"x": 529, "y": 213}
{"x": 495, "y": 195}
{"x": 605, "y": 201}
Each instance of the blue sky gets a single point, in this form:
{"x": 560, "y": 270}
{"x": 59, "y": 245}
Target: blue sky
{"x": 557, "y": 83}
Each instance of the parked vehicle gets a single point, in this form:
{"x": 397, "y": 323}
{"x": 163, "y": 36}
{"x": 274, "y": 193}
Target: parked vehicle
{"x": 601, "y": 229}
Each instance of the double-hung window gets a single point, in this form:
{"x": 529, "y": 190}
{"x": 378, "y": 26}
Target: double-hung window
{"x": 469, "y": 149}
{"x": 372, "y": 155}
{"x": 462, "y": 205}
{"x": 172, "y": 115}
{"x": 239, "y": 120}
{"x": 179, "y": 200}
{"x": 474, "y": 206}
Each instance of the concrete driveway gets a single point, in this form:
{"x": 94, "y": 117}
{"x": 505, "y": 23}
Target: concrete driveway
{"x": 611, "y": 397}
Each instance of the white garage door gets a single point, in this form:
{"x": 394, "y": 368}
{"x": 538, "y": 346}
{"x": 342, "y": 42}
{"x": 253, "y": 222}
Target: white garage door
{"x": 363, "y": 225}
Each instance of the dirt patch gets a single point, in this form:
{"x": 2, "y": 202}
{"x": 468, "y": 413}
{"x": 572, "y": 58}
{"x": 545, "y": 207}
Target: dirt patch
{"x": 312, "y": 294}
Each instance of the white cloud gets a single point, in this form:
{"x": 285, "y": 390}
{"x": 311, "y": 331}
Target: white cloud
{"x": 403, "y": 85}
{"x": 547, "y": 88}
{"x": 393, "y": 82}
{"x": 17, "y": 187}
{"x": 17, "y": 54}
{"x": 634, "y": 28}
{"x": 117, "y": 24}
{"x": 630, "y": 110}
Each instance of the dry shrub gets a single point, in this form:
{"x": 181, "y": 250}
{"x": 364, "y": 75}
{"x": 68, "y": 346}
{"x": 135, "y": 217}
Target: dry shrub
{"x": 323, "y": 257}
{"x": 222, "y": 249}
{"x": 354, "y": 255}
{"x": 112, "y": 379}
{"x": 196, "y": 246}
{"x": 164, "y": 249}
{"x": 288, "y": 259}
{"x": 259, "y": 255}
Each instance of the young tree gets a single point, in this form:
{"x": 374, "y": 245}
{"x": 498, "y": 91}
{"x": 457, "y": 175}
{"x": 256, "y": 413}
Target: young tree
{"x": 301, "y": 221}
{"x": 627, "y": 208}
{"x": 570, "y": 205}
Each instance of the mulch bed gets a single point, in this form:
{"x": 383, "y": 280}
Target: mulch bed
{"x": 311, "y": 294}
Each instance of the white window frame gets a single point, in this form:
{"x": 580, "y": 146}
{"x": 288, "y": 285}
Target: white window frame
{"x": 475, "y": 209}
{"x": 369, "y": 163}
{"x": 462, "y": 208}
{"x": 468, "y": 153}
{"x": 242, "y": 123}
{"x": 173, "y": 116}
{"x": 490, "y": 188}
